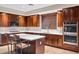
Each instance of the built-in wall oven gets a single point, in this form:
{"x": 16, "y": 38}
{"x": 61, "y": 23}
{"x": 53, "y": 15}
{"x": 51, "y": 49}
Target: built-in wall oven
{"x": 71, "y": 32}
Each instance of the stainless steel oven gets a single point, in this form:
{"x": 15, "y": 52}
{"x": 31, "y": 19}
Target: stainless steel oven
{"x": 71, "y": 33}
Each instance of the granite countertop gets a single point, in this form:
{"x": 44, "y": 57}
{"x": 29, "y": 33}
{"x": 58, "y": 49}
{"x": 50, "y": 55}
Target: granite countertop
{"x": 57, "y": 32}
{"x": 30, "y": 37}
{"x": 8, "y": 32}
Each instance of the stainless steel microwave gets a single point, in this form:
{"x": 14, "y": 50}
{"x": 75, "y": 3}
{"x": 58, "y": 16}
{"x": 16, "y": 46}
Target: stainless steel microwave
{"x": 70, "y": 29}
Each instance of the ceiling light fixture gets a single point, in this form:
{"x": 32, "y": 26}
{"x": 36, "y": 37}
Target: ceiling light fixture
{"x": 31, "y": 4}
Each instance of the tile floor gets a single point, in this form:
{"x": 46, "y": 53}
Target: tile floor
{"x": 48, "y": 50}
{"x": 53, "y": 50}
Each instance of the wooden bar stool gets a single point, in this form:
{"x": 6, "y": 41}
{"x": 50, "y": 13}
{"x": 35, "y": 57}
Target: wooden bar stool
{"x": 19, "y": 44}
{"x": 9, "y": 43}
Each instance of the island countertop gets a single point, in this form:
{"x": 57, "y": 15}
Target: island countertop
{"x": 30, "y": 37}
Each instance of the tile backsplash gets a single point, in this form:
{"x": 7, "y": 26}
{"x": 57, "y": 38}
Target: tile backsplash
{"x": 11, "y": 29}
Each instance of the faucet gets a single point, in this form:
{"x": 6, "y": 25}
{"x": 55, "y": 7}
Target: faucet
{"x": 48, "y": 28}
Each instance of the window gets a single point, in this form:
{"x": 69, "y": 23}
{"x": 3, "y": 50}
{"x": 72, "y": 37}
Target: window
{"x": 49, "y": 21}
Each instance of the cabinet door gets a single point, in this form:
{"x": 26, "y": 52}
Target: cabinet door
{"x": 54, "y": 40}
{"x": 78, "y": 13}
{"x": 60, "y": 40}
{"x": 51, "y": 40}
{"x": 0, "y": 20}
{"x": 67, "y": 14}
{"x": 3, "y": 40}
{"x": 22, "y": 22}
{"x": 5, "y": 21}
{"x": 75, "y": 13}
{"x": 13, "y": 20}
{"x": 71, "y": 13}
{"x": 48, "y": 40}
{"x": 40, "y": 46}
{"x": 60, "y": 18}
{"x": 29, "y": 21}
{"x": 33, "y": 21}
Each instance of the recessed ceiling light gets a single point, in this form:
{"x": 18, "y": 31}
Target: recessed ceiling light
{"x": 31, "y": 4}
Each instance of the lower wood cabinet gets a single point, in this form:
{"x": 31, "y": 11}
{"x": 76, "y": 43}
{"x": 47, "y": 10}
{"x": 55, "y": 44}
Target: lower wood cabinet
{"x": 51, "y": 39}
{"x": 71, "y": 47}
{"x": 57, "y": 41}
{"x": 54, "y": 40}
{"x": 3, "y": 40}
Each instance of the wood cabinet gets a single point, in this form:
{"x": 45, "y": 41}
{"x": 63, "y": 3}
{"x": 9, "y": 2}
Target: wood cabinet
{"x": 70, "y": 47}
{"x": 59, "y": 18}
{"x": 71, "y": 13}
{"x": 0, "y": 19}
{"x": 51, "y": 39}
{"x": 35, "y": 46}
{"x": 8, "y": 20}
{"x": 33, "y": 21}
{"x": 22, "y": 21}
{"x": 54, "y": 40}
{"x": 57, "y": 41}
{"x": 16, "y": 20}
{"x": 4, "y": 20}
{"x": 3, "y": 40}
{"x": 13, "y": 20}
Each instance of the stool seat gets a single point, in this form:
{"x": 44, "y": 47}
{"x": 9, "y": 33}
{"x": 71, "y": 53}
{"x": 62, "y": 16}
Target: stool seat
{"x": 22, "y": 45}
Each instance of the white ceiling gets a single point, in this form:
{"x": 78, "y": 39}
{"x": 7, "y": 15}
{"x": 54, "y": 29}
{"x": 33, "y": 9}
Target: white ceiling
{"x": 25, "y": 7}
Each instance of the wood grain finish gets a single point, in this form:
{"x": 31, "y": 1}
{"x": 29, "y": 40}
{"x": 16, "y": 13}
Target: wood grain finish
{"x": 5, "y": 21}
{"x": 71, "y": 15}
{"x": 33, "y": 21}
{"x": 70, "y": 47}
{"x": 13, "y": 19}
{"x": 51, "y": 39}
{"x": 3, "y": 40}
{"x": 57, "y": 41}
{"x": 60, "y": 19}
{"x": 36, "y": 47}
{"x": 54, "y": 40}
{"x": 0, "y": 19}
{"x": 22, "y": 22}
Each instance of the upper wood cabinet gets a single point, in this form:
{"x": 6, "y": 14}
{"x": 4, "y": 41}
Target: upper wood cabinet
{"x": 8, "y": 20}
{"x": 71, "y": 13}
{"x": 13, "y": 20}
{"x": 60, "y": 19}
{"x": 22, "y": 21}
{"x": 0, "y": 20}
{"x": 33, "y": 21}
{"x": 4, "y": 20}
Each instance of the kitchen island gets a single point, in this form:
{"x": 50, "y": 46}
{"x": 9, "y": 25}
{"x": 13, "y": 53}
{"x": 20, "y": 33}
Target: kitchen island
{"x": 36, "y": 42}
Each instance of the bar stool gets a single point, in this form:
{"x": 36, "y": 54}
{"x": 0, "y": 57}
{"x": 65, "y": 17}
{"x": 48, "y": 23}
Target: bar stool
{"x": 16, "y": 45}
{"x": 19, "y": 44}
{"x": 9, "y": 43}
